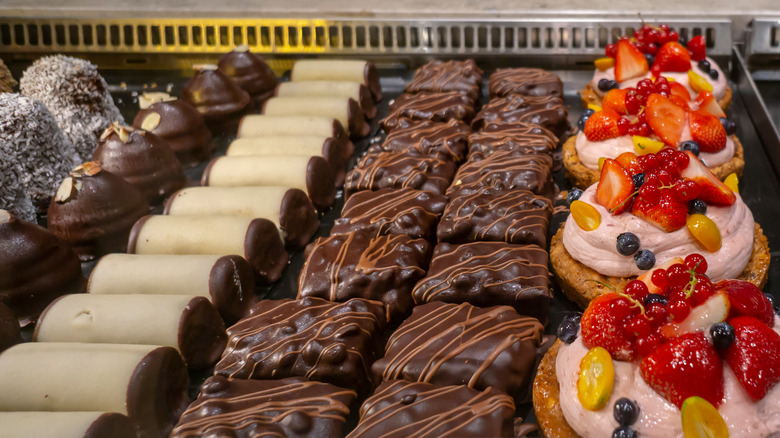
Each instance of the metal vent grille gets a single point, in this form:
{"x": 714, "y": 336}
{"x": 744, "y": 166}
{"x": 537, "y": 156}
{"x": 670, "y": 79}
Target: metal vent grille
{"x": 765, "y": 37}
{"x": 343, "y": 37}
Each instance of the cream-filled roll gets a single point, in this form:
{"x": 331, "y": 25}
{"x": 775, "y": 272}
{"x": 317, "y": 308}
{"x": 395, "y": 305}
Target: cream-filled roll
{"x": 330, "y": 148}
{"x": 258, "y": 125}
{"x": 148, "y": 383}
{"x": 65, "y": 425}
{"x": 338, "y": 70}
{"x": 345, "y": 110}
{"x": 310, "y": 174}
{"x": 354, "y": 90}
{"x": 187, "y": 323}
{"x": 290, "y": 209}
{"x": 256, "y": 240}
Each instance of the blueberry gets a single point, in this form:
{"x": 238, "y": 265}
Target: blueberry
{"x": 624, "y": 432}
{"x": 607, "y": 84}
{"x": 650, "y": 58}
{"x": 567, "y": 331}
{"x": 683, "y": 41}
{"x": 714, "y": 74}
{"x": 584, "y": 118}
{"x": 639, "y": 179}
{"x": 655, "y": 298}
{"x": 692, "y": 146}
{"x": 613, "y": 84}
{"x": 627, "y": 243}
{"x": 697, "y": 206}
{"x": 573, "y": 316}
{"x": 771, "y": 299}
{"x": 574, "y": 194}
{"x": 722, "y": 334}
{"x": 729, "y": 126}
{"x": 645, "y": 259}
{"x": 625, "y": 411}
{"x": 705, "y": 66}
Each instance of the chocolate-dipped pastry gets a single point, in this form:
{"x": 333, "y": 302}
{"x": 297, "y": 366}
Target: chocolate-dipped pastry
{"x": 250, "y": 72}
{"x": 228, "y": 281}
{"x": 36, "y": 267}
{"x": 400, "y": 170}
{"x": 507, "y": 170}
{"x": 391, "y": 211}
{"x": 142, "y": 159}
{"x": 546, "y": 111}
{"x": 436, "y": 107}
{"x": 488, "y": 214}
{"x": 363, "y": 72}
{"x": 430, "y": 138}
{"x": 257, "y": 240}
{"x": 94, "y": 210}
{"x": 66, "y": 425}
{"x": 145, "y": 382}
{"x": 442, "y": 76}
{"x": 217, "y": 98}
{"x": 351, "y": 90}
{"x": 7, "y": 81}
{"x": 292, "y": 407}
{"x": 525, "y": 81}
{"x": 489, "y": 274}
{"x": 9, "y": 328}
{"x": 344, "y": 109}
{"x": 523, "y": 138}
{"x": 190, "y": 324}
{"x": 310, "y": 337}
{"x": 358, "y": 265}
{"x": 400, "y": 409}
{"x": 179, "y": 124}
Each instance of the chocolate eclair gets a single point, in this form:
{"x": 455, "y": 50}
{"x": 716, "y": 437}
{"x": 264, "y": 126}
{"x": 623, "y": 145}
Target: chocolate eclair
{"x": 250, "y": 72}
{"x": 217, "y": 98}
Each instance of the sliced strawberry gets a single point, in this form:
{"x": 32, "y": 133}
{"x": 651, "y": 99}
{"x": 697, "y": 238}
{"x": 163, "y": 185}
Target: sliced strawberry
{"x": 669, "y": 214}
{"x": 754, "y": 357}
{"x": 685, "y": 366}
{"x": 665, "y": 118}
{"x": 713, "y": 191}
{"x": 615, "y": 187}
{"x": 679, "y": 101}
{"x": 747, "y": 300}
{"x": 629, "y": 61}
{"x": 678, "y": 89}
{"x": 602, "y": 125}
{"x": 698, "y": 47}
{"x": 672, "y": 56}
{"x": 629, "y": 162}
{"x": 602, "y": 326}
{"x": 706, "y": 101}
{"x": 615, "y": 100}
{"x": 707, "y": 130}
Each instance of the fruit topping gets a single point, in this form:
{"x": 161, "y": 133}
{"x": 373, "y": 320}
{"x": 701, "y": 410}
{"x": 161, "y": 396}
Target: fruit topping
{"x": 672, "y": 56}
{"x": 714, "y": 310}
{"x": 747, "y": 300}
{"x": 665, "y": 211}
{"x": 584, "y": 118}
{"x": 615, "y": 187}
{"x": 602, "y": 125}
{"x": 728, "y": 125}
{"x": 629, "y": 162}
{"x": 707, "y": 130}
{"x": 714, "y": 75}
{"x": 604, "y": 64}
{"x": 698, "y": 47}
{"x": 573, "y": 195}
{"x": 636, "y": 289}
{"x": 665, "y": 118}
{"x": 679, "y": 90}
{"x": 656, "y": 279}
{"x": 696, "y": 262}
{"x": 602, "y": 325}
{"x": 627, "y": 244}
{"x": 697, "y": 206}
{"x": 692, "y": 146}
{"x": 722, "y": 335}
{"x": 706, "y": 101}
{"x": 626, "y": 411}
{"x": 615, "y": 100}
{"x": 645, "y": 145}
{"x": 644, "y": 259}
{"x": 597, "y": 377}
{"x": 754, "y": 356}
{"x": 567, "y": 331}
{"x": 713, "y": 191}
{"x": 608, "y": 84}
{"x": 705, "y": 231}
{"x": 698, "y": 83}
{"x": 732, "y": 182}
{"x": 700, "y": 419}
{"x": 705, "y": 66}
{"x": 585, "y": 215}
{"x": 624, "y": 432}
{"x": 629, "y": 61}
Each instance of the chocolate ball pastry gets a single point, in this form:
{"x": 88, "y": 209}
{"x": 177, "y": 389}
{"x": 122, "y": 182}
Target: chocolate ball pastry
{"x": 9, "y": 328}
{"x": 94, "y": 210}
{"x": 34, "y": 153}
{"x": 76, "y": 94}
{"x": 142, "y": 159}
{"x": 7, "y": 81}
{"x": 35, "y": 267}
{"x": 66, "y": 424}
{"x": 217, "y": 98}
{"x": 179, "y": 124}
{"x": 250, "y": 72}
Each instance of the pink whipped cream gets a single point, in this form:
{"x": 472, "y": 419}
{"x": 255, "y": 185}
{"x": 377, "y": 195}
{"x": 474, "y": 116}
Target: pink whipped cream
{"x": 718, "y": 86}
{"x": 597, "y": 249}
{"x": 657, "y": 416}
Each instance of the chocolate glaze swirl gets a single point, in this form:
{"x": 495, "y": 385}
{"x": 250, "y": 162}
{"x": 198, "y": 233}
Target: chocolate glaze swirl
{"x": 523, "y": 138}
{"x": 506, "y": 170}
{"x": 400, "y": 170}
{"x": 430, "y": 138}
{"x": 437, "y": 107}
{"x": 525, "y": 81}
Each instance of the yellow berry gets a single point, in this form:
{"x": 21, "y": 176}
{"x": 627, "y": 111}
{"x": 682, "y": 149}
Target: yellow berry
{"x": 585, "y": 215}
{"x": 698, "y": 83}
{"x": 670, "y": 79}
{"x": 602, "y": 64}
{"x": 732, "y": 182}
{"x": 644, "y": 145}
{"x": 597, "y": 377}
{"x": 701, "y": 420}
{"x": 594, "y": 107}
{"x": 601, "y": 162}
{"x": 704, "y": 230}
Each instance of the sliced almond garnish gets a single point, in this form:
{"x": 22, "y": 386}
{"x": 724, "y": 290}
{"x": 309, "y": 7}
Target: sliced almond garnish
{"x": 243, "y": 48}
{"x": 148, "y": 99}
{"x": 204, "y": 67}
{"x": 89, "y": 168}
{"x": 151, "y": 121}
{"x": 5, "y": 217}
{"x": 65, "y": 191}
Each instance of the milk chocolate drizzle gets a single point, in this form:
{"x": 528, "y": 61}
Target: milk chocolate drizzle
{"x": 438, "y": 107}
{"x": 546, "y": 111}
{"x": 525, "y": 81}
{"x": 506, "y": 170}
{"x": 440, "y": 76}
{"x": 400, "y": 170}
{"x": 430, "y": 138}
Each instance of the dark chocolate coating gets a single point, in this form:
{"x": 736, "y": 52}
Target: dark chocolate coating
{"x": 157, "y": 393}
{"x": 400, "y": 409}
{"x": 292, "y": 407}
{"x": 523, "y": 138}
{"x": 400, "y": 170}
{"x": 9, "y": 328}
{"x": 358, "y": 127}
{"x": 298, "y": 219}
{"x": 357, "y": 265}
{"x": 36, "y": 267}
{"x": 251, "y": 73}
{"x": 436, "y": 107}
{"x": 506, "y": 170}
{"x": 310, "y": 337}
{"x": 183, "y": 128}
{"x": 391, "y": 211}
{"x": 320, "y": 183}
{"x": 111, "y": 424}
{"x": 430, "y": 138}
{"x": 145, "y": 161}
{"x": 443, "y": 76}
{"x": 525, "y": 81}
{"x": 372, "y": 81}
{"x": 366, "y": 101}
{"x": 202, "y": 336}
{"x": 232, "y": 287}
{"x": 488, "y": 214}
{"x": 217, "y": 98}
{"x": 489, "y": 274}
{"x": 334, "y": 151}
{"x": 97, "y": 219}
{"x": 546, "y": 111}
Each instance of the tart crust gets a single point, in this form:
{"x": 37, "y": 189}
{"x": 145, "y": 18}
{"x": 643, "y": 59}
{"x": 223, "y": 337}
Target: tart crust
{"x": 589, "y": 95}
{"x": 546, "y": 398}
{"x": 583, "y": 177}
{"x": 581, "y": 284}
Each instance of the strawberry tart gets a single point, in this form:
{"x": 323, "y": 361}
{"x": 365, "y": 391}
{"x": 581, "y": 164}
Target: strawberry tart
{"x": 655, "y": 52}
{"x": 644, "y": 119}
{"x": 691, "y": 359}
{"x": 645, "y": 211}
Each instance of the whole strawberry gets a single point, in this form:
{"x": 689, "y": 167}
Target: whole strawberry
{"x": 747, "y": 300}
{"x": 603, "y": 323}
{"x": 754, "y": 357}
